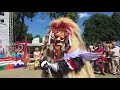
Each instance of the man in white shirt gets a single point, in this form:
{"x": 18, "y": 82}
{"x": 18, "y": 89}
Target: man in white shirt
{"x": 115, "y": 54}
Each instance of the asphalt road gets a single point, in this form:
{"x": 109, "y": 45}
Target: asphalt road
{"x": 24, "y": 73}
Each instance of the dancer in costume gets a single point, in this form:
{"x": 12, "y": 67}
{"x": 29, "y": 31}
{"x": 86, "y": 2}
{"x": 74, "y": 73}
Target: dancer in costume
{"x": 65, "y": 54}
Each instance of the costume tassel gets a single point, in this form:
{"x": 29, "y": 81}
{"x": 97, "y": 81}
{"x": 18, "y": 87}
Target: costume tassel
{"x": 70, "y": 40}
{"x": 49, "y": 38}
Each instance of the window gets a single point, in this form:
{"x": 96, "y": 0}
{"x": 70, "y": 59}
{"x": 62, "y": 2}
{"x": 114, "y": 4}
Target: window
{"x": 2, "y": 13}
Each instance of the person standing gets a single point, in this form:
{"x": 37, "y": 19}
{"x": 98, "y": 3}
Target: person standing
{"x": 115, "y": 54}
{"x": 109, "y": 66}
{"x": 100, "y": 61}
{"x": 99, "y": 49}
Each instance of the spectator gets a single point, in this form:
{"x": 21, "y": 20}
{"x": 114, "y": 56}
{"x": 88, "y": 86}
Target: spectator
{"x": 109, "y": 66}
{"x": 115, "y": 54}
{"x": 105, "y": 47}
{"x": 94, "y": 47}
{"x": 100, "y": 61}
{"x": 99, "y": 49}
{"x": 37, "y": 57}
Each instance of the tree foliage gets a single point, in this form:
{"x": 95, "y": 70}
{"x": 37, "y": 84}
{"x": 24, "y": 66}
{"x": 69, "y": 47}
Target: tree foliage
{"x": 16, "y": 28}
{"x": 29, "y": 37}
{"x": 20, "y": 26}
{"x": 100, "y": 27}
{"x": 116, "y": 24}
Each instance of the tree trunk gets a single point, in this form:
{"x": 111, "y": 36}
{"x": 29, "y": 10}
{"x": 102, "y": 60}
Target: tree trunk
{"x": 21, "y": 27}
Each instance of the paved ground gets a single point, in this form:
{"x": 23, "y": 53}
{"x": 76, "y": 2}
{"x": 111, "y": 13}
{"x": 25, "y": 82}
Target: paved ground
{"x": 23, "y": 73}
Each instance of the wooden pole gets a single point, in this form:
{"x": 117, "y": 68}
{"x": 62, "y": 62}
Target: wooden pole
{"x": 25, "y": 52}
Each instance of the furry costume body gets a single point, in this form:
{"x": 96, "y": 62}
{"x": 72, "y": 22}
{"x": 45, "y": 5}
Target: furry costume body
{"x": 57, "y": 43}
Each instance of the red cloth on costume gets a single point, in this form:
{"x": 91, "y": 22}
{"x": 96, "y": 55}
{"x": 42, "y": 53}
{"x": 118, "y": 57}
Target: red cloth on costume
{"x": 72, "y": 64}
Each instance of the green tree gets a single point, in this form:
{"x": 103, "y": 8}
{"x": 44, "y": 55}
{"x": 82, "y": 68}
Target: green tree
{"x": 20, "y": 16}
{"x": 16, "y": 27}
{"x": 98, "y": 28}
{"x": 29, "y": 37}
{"x": 116, "y": 24}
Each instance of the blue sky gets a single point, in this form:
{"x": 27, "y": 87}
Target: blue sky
{"x": 38, "y": 26}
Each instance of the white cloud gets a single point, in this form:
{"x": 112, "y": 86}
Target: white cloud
{"x": 81, "y": 15}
